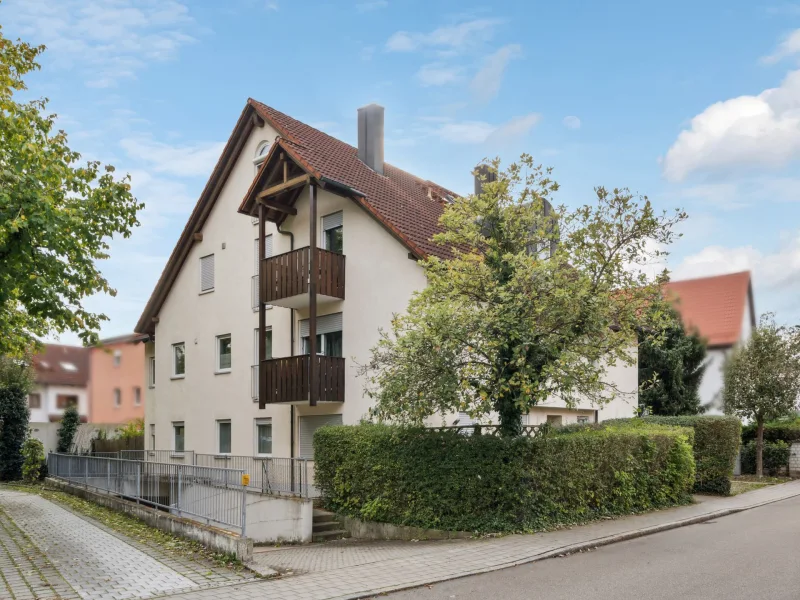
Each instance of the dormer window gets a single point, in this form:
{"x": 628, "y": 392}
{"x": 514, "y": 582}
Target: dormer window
{"x": 261, "y": 154}
{"x": 68, "y": 366}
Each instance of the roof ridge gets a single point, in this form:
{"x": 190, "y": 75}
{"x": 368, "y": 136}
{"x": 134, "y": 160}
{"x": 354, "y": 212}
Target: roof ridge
{"x": 702, "y": 277}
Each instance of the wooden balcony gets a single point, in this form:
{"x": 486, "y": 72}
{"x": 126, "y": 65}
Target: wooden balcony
{"x": 287, "y": 379}
{"x": 285, "y": 277}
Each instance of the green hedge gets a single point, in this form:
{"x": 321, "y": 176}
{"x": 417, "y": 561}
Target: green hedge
{"x": 775, "y": 457}
{"x": 446, "y": 480}
{"x": 783, "y": 431}
{"x": 716, "y": 444}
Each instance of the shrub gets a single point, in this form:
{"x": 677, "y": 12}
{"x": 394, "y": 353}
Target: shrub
{"x": 445, "y": 480}
{"x": 775, "y": 456}
{"x": 783, "y": 430}
{"x": 716, "y": 444}
{"x": 15, "y": 415}
{"x": 68, "y": 428}
{"x": 132, "y": 429}
{"x": 33, "y": 460}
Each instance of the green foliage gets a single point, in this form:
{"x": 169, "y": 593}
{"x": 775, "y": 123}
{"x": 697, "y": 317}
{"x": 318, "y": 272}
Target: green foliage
{"x": 14, "y": 414}
{"x": 716, "y": 444}
{"x": 787, "y": 430}
{"x": 776, "y": 458}
{"x": 670, "y": 370}
{"x": 132, "y": 429}
{"x": 762, "y": 378}
{"x": 69, "y": 426}
{"x": 33, "y": 465}
{"x": 527, "y": 307}
{"x": 446, "y": 480}
{"x": 17, "y": 372}
{"x": 57, "y": 217}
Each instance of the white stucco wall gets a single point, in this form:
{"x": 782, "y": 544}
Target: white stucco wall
{"x": 49, "y": 394}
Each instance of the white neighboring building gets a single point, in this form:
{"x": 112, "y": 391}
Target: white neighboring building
{"x": 371, "y": 222}
{"x": 62, "y": 379}
{"x": 721, "y": 310}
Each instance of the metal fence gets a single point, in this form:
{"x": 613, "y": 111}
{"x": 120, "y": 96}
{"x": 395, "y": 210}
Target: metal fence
{"x": 184, "y": 457}
{"x": 213, "y": 495}
{"x": 292, "y": 476}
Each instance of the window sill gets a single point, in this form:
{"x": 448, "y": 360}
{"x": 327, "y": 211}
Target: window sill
{"x": 177, "y": 454}
{"x": 151, "y": 387}
{"x": 178, "y": 377}
{"x": 263, "y": 455}
{"x": 222, "y": 372}
{"x": 203, "y": 292}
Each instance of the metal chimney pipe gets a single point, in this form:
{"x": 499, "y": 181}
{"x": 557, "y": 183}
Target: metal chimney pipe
{"x": 370, "y": 136}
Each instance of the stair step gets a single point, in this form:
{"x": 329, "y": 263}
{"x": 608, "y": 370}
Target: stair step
{"x": 334, "y": 534}
{"x": 327, "y": 526}
{"x": 318, "y": 512}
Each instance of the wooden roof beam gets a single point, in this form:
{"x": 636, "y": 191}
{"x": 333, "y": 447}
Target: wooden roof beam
{"x": 279, "y": 206}
{"x": 283, "y": 187}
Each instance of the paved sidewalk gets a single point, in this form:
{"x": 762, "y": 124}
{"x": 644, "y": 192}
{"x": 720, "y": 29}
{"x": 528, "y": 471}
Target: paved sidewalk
{"x": 47, "y": 551}
{"x": 358, "y": 570}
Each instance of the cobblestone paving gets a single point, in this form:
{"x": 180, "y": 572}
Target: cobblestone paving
{"x": 355, "y": 570}
{"x": 47, "y": 551}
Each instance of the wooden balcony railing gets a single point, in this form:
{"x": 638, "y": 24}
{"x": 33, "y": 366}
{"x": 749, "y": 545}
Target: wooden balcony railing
{"x": 287, "y": 275}
{"x": 287, "y": 378}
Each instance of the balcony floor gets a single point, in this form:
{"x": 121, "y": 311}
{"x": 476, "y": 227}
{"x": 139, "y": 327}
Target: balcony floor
{"x": 301, "y": 301}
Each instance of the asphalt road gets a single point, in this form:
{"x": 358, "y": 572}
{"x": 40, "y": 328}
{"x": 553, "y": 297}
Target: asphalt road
{"x": 750, "y": 555}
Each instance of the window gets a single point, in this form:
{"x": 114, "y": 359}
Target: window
{"x": 263, "y": 437}
{"x": 68, "y": 366}
{"x": 34, "y": 401}
{"x": 117, "y": 398}
{"x": 261, "y": 153}
{"x": 329, "y": 335}
{"x": 207, "y": 274}
{"x": 224, "y": 353}
{"x": 65, "y": 400}
{"x": 583, "y": 419}
{"x": 178, "y": 359}
{"x": 332, "y": 238}
{"x": 152, "y": 436}
{"x": 117, "y": 357}
{"x": 151, "y": 372}
{"x": 267, "y": 251}
{"x": 137, "y": 396}
{"x": 268, "y": 344}
{"x": 178, "y": 436}
{"x": 554, "y": 420}
{"x": 224, "y": 437}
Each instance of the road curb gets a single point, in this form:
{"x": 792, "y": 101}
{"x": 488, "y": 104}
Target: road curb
{"x": 578, "y": 547}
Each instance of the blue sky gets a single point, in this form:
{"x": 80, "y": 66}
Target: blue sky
{"x": 696, "y": 105}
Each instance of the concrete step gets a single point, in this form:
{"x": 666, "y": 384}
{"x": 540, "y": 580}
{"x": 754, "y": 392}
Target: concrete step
{"x": 326, "y": 526}
{"x": 326, "y": 536}
{"x": 318, "y": 512}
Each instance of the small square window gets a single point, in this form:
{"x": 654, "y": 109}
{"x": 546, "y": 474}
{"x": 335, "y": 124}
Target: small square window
{"x": 178, "y": 360}
{"x": 583, "y": 419}
{"x": 137, "y": 396}
{"x": 151, "y": 372}
{"x": 224, "y": 353}
{"x": 64, "y": 400}
{"x": 178, "y": 437}
{"x": 263, "y": 437}
{"x": 224, "y": 437}
{"x": 152, "y": 436}
{"x": 34, "y": 401}
{"x": 117, "y": 398}
{"x": 117, "y": 357}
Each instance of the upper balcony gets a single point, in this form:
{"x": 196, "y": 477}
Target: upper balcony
{"x": 288, "y": 380}
{"x": 285, "y": 277}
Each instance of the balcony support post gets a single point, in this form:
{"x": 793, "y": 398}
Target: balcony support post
{"x": 262, "y": 311}
{"x": 312, "y": 297}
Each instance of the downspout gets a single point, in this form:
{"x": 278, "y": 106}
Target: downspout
{"x": 291, "y": 330}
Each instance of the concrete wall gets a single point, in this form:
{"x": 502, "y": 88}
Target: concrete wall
{"x": 105, "y": 377}
{"x": 279, "y": 518}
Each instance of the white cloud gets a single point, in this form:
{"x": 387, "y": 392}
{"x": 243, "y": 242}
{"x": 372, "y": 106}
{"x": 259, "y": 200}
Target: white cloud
{"x": 788, "y": 47}
{"x": 479, "y": 132}
{"x": 761, "y": 130}
{"x": 182, "y": 161}
{"x": 435, "y": 74}
{"x": 371, "y": 5}
{"x": 107, "y": 40}
{"x": 486, "y": 83}
{"x": 449, "y": 37}
{"x": 572, "y": 122}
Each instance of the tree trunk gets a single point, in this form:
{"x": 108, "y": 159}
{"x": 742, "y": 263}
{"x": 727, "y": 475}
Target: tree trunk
{"x": 510, "y": 416}
{"x": 760, "y": 447}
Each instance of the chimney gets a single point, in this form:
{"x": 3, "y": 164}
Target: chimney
{"x": 483, "y": 174}
{"x": 370, "y": 136}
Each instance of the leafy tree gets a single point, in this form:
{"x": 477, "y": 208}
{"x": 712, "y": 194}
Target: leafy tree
{"x": 14, "y": 417}
{"x": 534, "y": 303}
{"x": 56, "y": 217}
{"x": 132, "y": 429}
{"x": 69, "y": 426}
{"x": 33, "y": 460}
{"x": 670, "y": 370}
{"x": 762, "y": 378}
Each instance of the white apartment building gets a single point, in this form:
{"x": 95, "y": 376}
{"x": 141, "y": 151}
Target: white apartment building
{"x": 327, "y": 208}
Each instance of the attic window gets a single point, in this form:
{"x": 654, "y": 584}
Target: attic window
{"x": 261, "y": 153}
{"x": 68, "y": 366}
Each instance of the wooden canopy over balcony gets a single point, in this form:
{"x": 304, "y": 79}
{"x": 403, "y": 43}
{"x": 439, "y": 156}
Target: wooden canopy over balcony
{"x": 287, "y": 380}
{"x": 286, "y": 278}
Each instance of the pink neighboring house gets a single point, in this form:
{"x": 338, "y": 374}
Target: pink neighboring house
{"x": 116, "y": 380}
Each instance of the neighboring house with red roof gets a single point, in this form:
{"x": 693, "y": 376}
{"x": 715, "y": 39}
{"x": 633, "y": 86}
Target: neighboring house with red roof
{"x": 231, "y": 321}
{"x": 62, "y": 379}
{"x": 721, "y": 310}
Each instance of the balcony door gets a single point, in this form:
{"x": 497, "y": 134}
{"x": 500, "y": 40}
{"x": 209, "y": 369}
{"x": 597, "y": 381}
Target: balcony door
{"x": 329, "y": 335}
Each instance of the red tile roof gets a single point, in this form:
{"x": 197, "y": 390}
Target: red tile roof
{"x": 62, "y": 365}
{"x": 714, "y": 306}
{"x": 408, "y": 205}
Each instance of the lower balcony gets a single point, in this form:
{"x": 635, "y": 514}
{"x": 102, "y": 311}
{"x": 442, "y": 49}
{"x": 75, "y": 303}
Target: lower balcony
{"x": 288, "y": 379}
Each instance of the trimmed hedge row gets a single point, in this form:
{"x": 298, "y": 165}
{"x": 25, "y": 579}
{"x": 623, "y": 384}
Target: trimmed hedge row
{"x": 716, "y": 444}
{"x": 447, "y": 480}
{"x": 775, "y": 458}
{"x": 776, "y": 431}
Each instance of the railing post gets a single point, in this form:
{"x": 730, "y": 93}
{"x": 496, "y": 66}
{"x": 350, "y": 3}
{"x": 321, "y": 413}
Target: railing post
{"x": 180, "y": 480}
{"x": 108, "y": 475}
{"x": 244, "y": 509}
{"x": 69, "y": 470}
{"x": 86, "y": 473}
{"x": 138, "y": 481}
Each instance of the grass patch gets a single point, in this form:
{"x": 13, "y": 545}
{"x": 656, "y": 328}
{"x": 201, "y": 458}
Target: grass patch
{"x": 747, "y": 483}
{"x": 135, "y": 529}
